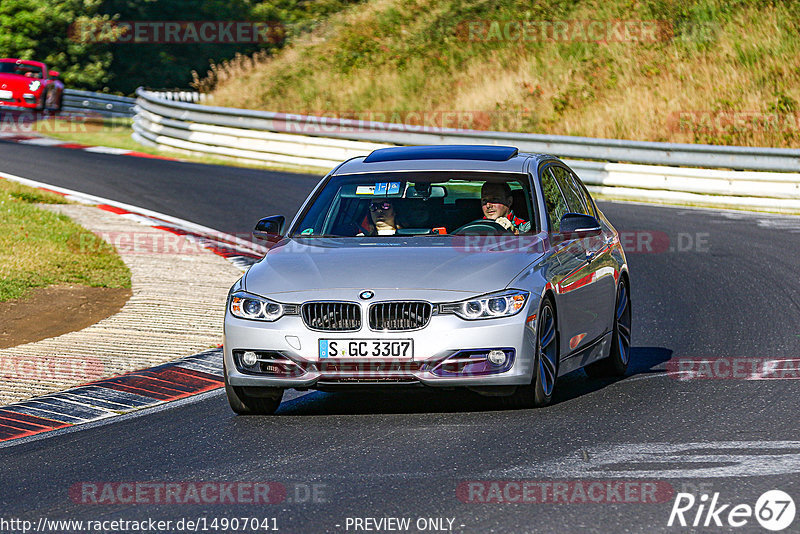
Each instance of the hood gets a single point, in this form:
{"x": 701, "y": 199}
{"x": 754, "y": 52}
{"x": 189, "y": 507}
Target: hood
{"x": 15, "y": 82}
{"x": 450, "y": 263}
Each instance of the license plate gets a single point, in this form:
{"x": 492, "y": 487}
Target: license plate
{"x": 366, "y": 348}
{"x": 6, "y": 95}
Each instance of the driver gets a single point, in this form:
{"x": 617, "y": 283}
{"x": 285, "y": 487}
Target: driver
{"x": 496, "y": 202}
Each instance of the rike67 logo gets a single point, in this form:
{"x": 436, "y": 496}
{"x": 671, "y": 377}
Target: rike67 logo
{"x": 774, "y": 510}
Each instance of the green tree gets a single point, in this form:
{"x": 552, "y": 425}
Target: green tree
{"x": 74, "y": 37}
{"x": 170, "y": 65}
{"x": 41, "y": 30}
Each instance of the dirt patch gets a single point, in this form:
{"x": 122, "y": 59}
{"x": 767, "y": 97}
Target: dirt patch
{"x": 55, "y": 310}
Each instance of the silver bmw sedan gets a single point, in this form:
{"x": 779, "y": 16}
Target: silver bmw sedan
{"x": 467, "y": 266}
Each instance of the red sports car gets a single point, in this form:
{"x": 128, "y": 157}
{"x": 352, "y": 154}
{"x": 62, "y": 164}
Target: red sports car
{"x": 29, "y": 84}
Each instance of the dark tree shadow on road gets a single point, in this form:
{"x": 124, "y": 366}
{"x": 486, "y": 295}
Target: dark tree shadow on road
{"x": 644, "y": 360}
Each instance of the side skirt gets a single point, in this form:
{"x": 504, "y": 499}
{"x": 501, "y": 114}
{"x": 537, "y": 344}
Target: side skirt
{"x": 596, "y": 350}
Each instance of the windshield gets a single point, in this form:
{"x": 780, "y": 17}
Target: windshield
{"x": 432, "y": 203}
{"x": 22, "y": 69}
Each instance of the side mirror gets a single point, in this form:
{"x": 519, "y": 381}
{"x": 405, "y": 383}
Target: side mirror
{"x": 54, "y": 74}
{"x": 269, "y": 228}
{"x": 582, "y": 225}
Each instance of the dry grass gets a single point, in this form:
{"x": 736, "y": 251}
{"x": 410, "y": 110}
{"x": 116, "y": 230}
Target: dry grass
{"x": 384, "y": 56}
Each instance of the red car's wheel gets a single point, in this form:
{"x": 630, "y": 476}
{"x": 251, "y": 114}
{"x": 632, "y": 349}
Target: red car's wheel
{"x": 56, "y": 103}
{"x": 42, "y": 102}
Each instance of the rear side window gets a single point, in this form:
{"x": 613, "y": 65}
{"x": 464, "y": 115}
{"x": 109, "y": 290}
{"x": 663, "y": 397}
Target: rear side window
{"x": 554, "y": 201}
{"x": 573, "y": 194}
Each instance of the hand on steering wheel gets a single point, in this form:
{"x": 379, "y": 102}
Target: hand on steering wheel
{"x": 482, "y": 227}
{"x": 505, "y": 223}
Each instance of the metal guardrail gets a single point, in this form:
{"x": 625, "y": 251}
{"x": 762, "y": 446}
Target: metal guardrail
{"x": 323, "y": 142}
{"x": 181, "y": 96}
{"x": 119, "y": 106}
{"x": 616, "y": 150}
{"x": 157, "y": 125}
{"x": 737, "y": 189}
{"x": 98, "y": 103}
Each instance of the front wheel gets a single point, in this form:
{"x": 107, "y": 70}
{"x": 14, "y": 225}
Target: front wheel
{"x": 245, "y": 404}
{"x": 43, "y": 102}
{"x": 617, "y": 362}
{"x": 545, "y": 366}
{"x": 59, "y": 104}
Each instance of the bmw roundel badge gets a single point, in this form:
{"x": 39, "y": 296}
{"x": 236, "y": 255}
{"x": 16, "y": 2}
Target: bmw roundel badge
{"x": 366, "y": 295}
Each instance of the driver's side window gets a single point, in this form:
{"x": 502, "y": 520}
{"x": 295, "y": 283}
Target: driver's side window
{"x": 553, "y": 199}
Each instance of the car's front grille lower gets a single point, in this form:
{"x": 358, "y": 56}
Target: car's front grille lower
{"x": 332, "y": 316}
{"x": 399, "y": 316}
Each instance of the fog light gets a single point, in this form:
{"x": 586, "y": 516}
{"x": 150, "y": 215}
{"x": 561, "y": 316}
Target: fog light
{"x": 249, "y": 358}
{"x": 496, "y": 357}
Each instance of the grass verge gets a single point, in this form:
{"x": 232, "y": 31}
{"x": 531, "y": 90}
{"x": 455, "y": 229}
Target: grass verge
{"x": 39, "y": 248}
{"x": 113, "y": 132}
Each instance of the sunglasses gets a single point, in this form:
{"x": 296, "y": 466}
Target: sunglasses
{"x": 494, "y": 200}
{"x": 383, "y": 206}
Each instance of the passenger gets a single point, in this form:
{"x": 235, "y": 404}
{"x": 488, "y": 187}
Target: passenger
{"x": 382, "y": 218}
{"x": 496, "y": 200}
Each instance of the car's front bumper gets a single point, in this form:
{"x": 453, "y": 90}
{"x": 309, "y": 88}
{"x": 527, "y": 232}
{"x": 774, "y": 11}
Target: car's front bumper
{"x": 18, "y": 101}
{"x": 444, "y": 336}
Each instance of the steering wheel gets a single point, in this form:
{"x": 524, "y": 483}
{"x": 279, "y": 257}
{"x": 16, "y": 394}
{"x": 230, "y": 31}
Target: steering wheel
{"x": 481, "y": 227}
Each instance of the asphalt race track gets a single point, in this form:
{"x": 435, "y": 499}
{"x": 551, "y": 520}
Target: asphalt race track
{"x": 714, "y": 285}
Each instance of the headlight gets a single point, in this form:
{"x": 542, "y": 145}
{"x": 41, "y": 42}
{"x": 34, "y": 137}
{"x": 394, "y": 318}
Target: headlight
{"x": 501, "y": 304}
{"x": 247, "y": 306}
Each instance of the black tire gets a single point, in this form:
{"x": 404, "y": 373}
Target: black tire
{"x": 43, "y": 105}
{"x": 244, "y": 404}
{"x": 545, "y": 366}
{"x": 617, "y": 362}
{"x": 57, "y": 107}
